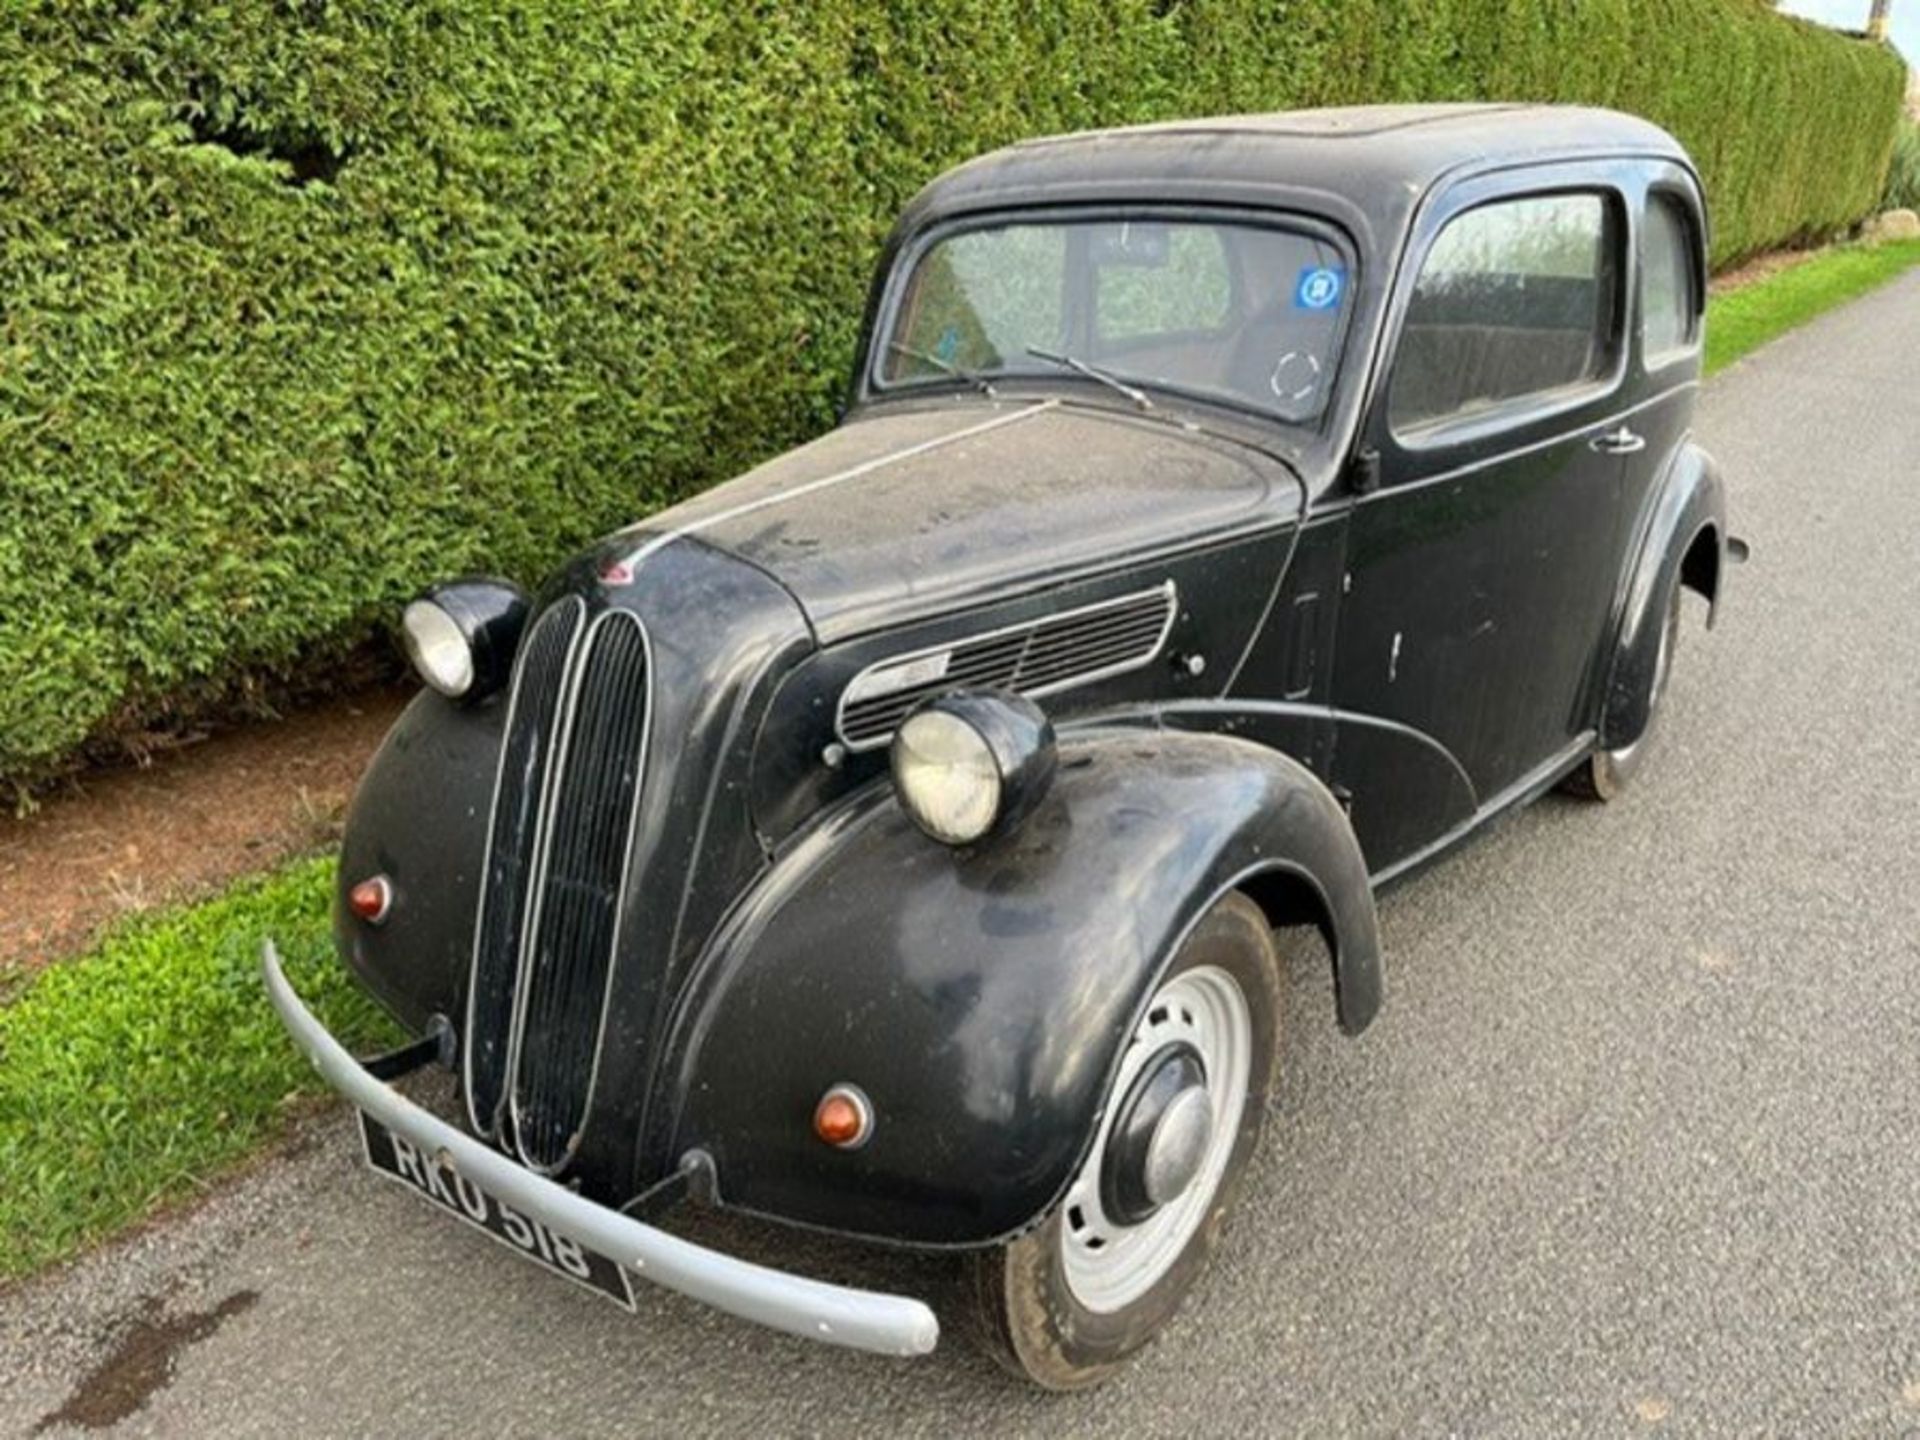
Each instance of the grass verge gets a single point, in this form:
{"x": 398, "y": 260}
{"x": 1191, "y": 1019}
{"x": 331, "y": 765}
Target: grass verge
{"x": 1741, "y": 321}
{"x": 131, "y": 1075}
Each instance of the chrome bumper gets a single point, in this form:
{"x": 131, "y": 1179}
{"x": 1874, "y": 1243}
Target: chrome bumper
{"x": 861, "y": 1319}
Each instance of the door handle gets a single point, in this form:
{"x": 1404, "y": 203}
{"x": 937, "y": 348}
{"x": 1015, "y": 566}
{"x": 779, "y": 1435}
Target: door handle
{"x": 1618, "y": 442}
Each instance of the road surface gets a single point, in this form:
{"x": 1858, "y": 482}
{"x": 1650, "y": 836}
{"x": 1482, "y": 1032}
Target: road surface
{"x": 1635, "y": 1146}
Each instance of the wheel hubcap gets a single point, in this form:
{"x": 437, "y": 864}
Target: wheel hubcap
{"x": 1181, "y": 1089}
{"x": 1158, "y": 1136}
{"x": 1179, "y": 1144}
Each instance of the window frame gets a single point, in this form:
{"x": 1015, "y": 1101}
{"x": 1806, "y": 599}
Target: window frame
{"x": 1535, "y": 406}
{"x": 1682, "y": 204}
{"x": 874, "y": 386}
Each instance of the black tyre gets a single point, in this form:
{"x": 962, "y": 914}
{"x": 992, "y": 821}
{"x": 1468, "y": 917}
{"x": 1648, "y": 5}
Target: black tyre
{"x": 1605, "y": 774}
{"x": 1067, "y": 1302}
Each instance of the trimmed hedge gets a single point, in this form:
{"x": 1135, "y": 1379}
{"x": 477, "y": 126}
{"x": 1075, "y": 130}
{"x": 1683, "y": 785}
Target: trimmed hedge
{"x": 1903, "y": 174}
{"x": 306, "y": 303}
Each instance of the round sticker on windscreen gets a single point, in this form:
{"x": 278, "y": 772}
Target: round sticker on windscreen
{"x": 1319, "y": 287}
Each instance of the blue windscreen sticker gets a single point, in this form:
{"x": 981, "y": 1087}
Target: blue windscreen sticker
{"x": 1319, "y": 287}
{"x": 949, "y": 343}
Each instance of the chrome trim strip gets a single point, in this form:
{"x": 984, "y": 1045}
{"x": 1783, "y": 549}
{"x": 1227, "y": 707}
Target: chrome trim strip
{"x": 853, "y": 472}
{"x": 620, "y": 899}
{"x": 836, "y": 1314}
{"x": 1165, "y": 588}
{"x": 486, "y": 869}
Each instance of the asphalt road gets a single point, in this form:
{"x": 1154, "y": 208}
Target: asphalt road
{"x": 1635, "y": 1146}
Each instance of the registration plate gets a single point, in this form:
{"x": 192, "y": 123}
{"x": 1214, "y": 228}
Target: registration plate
{"x": 428, "y": 1175}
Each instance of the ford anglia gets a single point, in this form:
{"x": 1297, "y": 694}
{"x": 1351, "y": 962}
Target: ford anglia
{"x": 899, "y": 841}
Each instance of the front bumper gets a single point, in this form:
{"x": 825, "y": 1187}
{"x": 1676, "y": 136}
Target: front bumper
{"x": 838, "y": 1315}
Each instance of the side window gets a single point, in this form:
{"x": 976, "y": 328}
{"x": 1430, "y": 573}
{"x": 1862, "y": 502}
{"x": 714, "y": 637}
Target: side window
{"x": 1669, "y": 300}
{"x": 1516, "y": 299}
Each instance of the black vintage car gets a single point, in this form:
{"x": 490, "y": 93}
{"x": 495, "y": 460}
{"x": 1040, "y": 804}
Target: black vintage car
{"x": 1229, "y": 516}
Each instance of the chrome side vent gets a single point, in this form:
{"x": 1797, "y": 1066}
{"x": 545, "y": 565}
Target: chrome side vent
{"x": 519, "y": 789}
{"x": 585, "y": 841}
{"x": 1040, "y": 657}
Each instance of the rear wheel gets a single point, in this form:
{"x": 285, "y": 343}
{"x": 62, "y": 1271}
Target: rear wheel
{"x": 1604, "y": 774}
{"x": 1067, "y": 1302}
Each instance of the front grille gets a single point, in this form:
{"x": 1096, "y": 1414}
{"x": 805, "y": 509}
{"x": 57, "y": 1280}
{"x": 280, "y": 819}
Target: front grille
{"x": 517, "y": 794}
{"x": 570, "y": 956}
{"x": 564, "y": 805}
{"x": 1040, "y": 657}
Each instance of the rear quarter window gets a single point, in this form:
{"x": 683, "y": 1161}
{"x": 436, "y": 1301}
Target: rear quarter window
{"x": 1669, "y": 288}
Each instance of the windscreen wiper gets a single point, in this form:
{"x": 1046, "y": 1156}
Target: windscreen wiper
{"x": 979, "y": 382}
{"x": 1105, "y": 377}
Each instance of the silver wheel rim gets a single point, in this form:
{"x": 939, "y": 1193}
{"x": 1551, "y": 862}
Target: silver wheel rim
{"x": 1662, "y": 662}
{"x": 1109, "y": 1265}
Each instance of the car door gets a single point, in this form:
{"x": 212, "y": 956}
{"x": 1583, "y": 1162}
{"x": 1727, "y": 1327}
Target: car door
{"x": 1481, "y": 568}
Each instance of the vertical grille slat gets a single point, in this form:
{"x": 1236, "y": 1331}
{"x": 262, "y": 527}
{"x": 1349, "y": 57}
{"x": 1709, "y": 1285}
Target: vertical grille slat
{"x": 570, "y": 944}
{"x": 518, "y": 791}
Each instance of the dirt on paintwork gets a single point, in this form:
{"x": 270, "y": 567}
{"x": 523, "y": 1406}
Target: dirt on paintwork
{"x": 141, "y": 1362}
{"x": 114, "y": 842}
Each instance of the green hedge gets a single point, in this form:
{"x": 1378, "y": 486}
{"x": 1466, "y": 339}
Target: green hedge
{"x": 1903, "y": 174}
{"x": 308, "y": 302}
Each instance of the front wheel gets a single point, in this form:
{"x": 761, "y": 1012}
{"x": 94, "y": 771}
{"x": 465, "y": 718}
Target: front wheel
{"x": 1071, "y": 1299}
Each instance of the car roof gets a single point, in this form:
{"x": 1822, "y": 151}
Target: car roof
{"x": 1410, "y": 142}
{"x": 1379, "y": 159}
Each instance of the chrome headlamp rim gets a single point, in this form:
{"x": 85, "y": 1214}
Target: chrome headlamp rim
{"x": 484, "y": 617}
{"x": 437, "y": 648}
{"x": 1013, "y": 760}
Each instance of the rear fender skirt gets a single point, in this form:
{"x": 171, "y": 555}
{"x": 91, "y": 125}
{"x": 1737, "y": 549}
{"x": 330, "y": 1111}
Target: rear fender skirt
{"x": 1689, "y": 503}
{"x": 980, "y": 997}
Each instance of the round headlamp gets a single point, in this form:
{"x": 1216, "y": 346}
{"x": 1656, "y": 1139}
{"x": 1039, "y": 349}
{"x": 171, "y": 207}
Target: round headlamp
{"x": 972, "y": 762}
{"x": 461, "y": 636}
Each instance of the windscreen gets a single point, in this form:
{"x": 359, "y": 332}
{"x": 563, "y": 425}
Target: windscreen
{"x": 1249, "y": 314}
